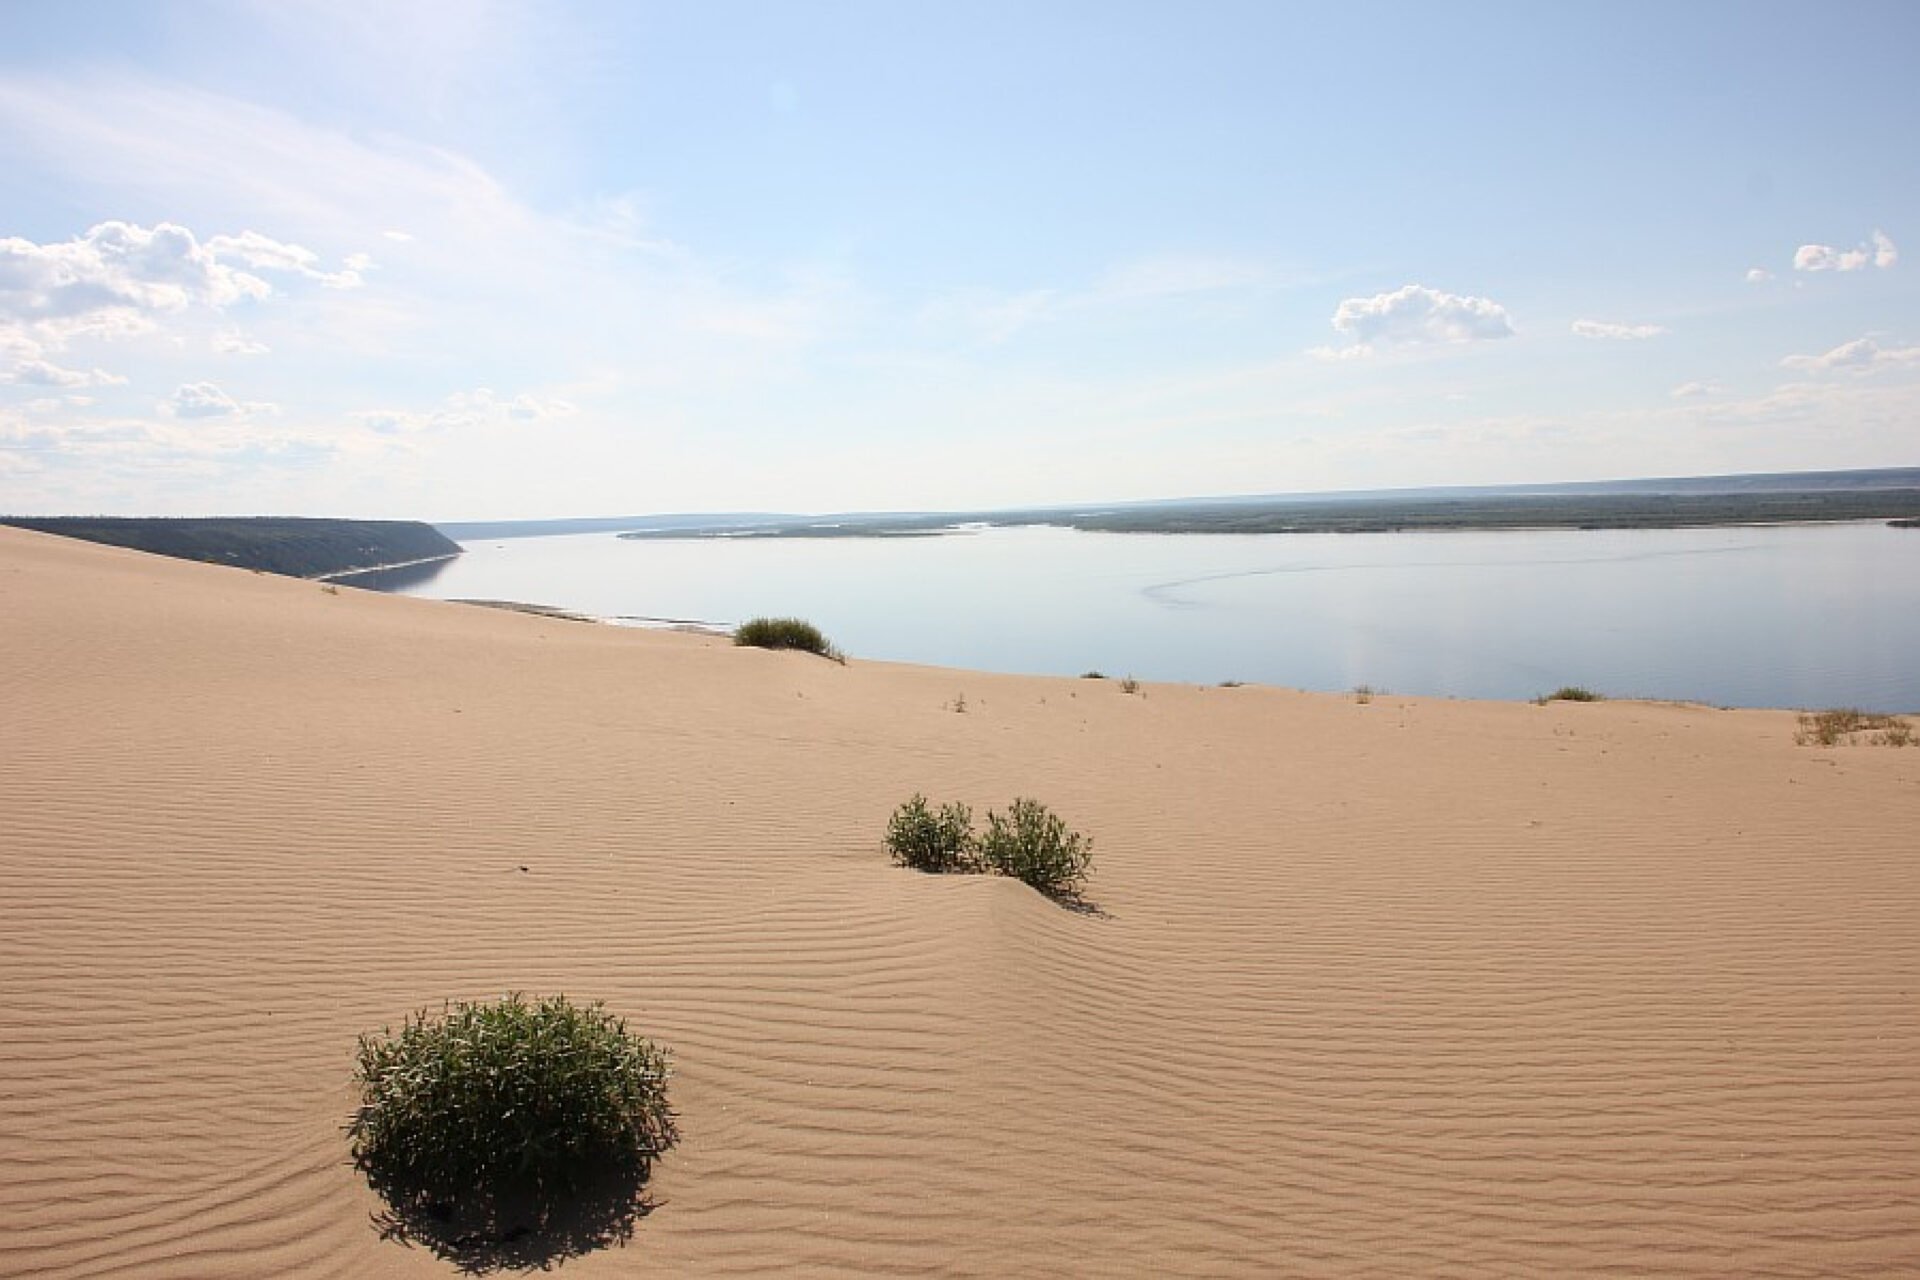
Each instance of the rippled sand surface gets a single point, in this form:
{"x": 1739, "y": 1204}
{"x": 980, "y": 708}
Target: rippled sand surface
{"x": 1408, "y": 987}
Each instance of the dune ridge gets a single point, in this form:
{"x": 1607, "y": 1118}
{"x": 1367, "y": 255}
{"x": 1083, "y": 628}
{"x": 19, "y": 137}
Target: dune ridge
{"x": 1413, "y": 987}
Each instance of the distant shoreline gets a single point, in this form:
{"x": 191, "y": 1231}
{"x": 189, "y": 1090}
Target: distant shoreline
{"x": 1588, "y": 513}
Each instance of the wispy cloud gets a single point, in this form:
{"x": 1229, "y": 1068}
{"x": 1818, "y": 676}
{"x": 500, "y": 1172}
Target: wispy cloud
{"x": 465, "y": 409}
{"x": 205, "y": 400}
{"x": 1174, "y": 275}
{"x": 1862, "y": 355}
{"x": 1616, "y": 332}
{"x": 995, "y": 317}
{"x": 44, "y": 373}
{"x": 232, "y": 342}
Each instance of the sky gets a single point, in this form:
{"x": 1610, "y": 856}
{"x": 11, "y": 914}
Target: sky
{"x": 491, "y": 260}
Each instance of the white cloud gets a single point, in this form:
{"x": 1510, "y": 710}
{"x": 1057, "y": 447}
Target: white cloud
{"x": 120, "y": 279}
{"x": 232, "y": 342}
{"x": 41, "y": 373}
{"x": 398, "y": 237}
{"x": 1617, "y": 332}
{"x": 44, "y": 373}
{"x": 1415, "y": 314}
{"x": 1758, "y": 275}
{"x": 200, "y": 400}
{"x": 205, "y": 400}
{"x": 117, "y": 266}
{"x": 1880, "y": 252}
{"x": 1334, "y": 354}
{"x": 465, "y": 409}
{"x": 263, "y": 253}
{"x": 1694, "y": 390}
{"x": 1862, "y": 355}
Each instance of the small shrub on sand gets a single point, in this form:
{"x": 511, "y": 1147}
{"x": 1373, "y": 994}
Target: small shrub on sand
{"x": 785, "y": 633}
{"x": 1364, "y": 693}
{"x": 931, "y": 841}
{"x": 507, "y": 1107}
{"x": 1569, "y": 693}
{"x": 1129, "y": 685}
{"x": 1033, "y": 845}
{"x": 1093, "y": 675}
{"x": 1846, "y": 724}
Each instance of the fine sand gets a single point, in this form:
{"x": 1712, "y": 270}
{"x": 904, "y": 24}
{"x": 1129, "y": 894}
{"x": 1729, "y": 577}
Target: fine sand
{"x": 1405, "y": 988}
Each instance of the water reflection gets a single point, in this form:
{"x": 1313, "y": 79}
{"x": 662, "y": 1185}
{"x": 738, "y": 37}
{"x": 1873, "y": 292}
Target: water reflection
{"x": 405, "y": 580}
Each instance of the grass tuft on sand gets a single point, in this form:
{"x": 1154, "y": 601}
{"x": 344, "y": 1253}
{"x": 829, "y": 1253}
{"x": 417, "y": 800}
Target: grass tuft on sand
{"x": 1839, "y": 726}
{"x": 786, "y": 633}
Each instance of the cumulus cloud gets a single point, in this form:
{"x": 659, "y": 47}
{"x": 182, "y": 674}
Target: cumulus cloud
{"x": 117, "y": 266}
{"x": 1414, "y": 314}
{"x": 1617, "y": 332}
{"x": 205, "y": 400}
{"x": 1694, "y": 390}
{"x": 119, "y": 279}
{"x": 1879, "y": 251}
{"x": 1862, "y": 355}
{"x": 1758, "y": 275}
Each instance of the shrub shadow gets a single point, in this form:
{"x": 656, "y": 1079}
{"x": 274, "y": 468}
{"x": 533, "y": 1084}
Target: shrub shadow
{"x": 1079, "y": 905}
{"x": 523, "y": 1232}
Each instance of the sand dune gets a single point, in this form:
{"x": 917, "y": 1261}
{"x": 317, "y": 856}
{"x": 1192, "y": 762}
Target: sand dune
{"x": 1413, "y": 987}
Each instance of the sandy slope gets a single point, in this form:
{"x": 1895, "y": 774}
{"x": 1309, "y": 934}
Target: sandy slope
{"x": 1408, "y": 988}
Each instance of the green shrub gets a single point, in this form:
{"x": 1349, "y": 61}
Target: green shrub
{"x": 1569, "y": 693}
{"x": 507, "y": 1103}
{"x": 785, "y": 633}
{"x": 936, "y": 842}
{"x": 1033, "y": 845}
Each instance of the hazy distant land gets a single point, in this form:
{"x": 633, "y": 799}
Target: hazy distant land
{"x": 1669, "y": 503}
{"x": 320, "y": 548}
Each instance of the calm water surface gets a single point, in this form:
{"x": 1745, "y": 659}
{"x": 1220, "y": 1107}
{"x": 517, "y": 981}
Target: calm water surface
{"x": 1810, "y": 615}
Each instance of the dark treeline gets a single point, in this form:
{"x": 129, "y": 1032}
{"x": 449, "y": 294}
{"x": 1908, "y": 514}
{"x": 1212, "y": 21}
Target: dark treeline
{"x": 300, "y": 548}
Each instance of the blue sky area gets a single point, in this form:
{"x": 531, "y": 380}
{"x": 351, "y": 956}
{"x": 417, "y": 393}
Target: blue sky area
{"x": 466, "y": 260}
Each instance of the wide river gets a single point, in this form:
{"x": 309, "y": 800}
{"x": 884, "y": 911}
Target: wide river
{"x": 1794, "y": 616}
